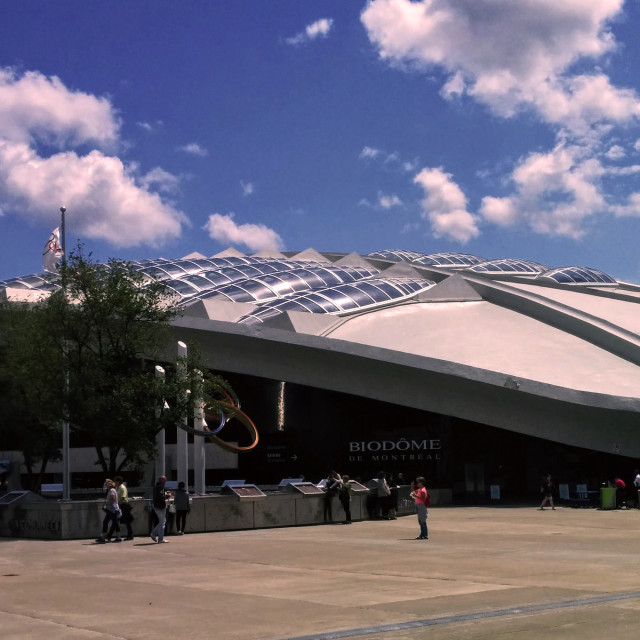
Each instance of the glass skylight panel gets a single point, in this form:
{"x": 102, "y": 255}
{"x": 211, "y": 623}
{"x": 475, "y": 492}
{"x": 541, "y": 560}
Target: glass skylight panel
{"x": 182, "y": 287}
{"x": 219, "y": 278}
{"x": 33, "y": 281}
{"x": 452, "y": 260}
{"x": 189, "y": 266}
{"x": 199, "y": 281}
{"x": 375, "y": 291}
{"x": 156, "y": 272}
{"x": 16, "y": 283}
{"x": 508, "y": 265}
{"x": 357, "y": 294}
{"x": 578, "y": 275}
{"x": 395, "y": 254}
{"x": 339, "y": 298}
{"x": 173, "y": 269}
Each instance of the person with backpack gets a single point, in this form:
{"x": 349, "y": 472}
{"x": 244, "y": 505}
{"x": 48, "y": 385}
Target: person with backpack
{"x": 344, "y": 495}
{"x": 422, "y": 500}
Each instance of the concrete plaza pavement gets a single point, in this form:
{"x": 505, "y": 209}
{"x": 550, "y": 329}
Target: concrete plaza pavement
{"x": 485, "y": 572}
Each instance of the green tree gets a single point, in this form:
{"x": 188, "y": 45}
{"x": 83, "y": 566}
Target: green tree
{"x": 87, "y": 352}
{"x": 31, "y": 393}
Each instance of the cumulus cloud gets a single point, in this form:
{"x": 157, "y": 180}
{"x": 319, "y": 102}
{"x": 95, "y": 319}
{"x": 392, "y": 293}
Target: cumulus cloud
{"x": 445, "y": 206}
{"x": 554, "y": 193}
{"x": 194, "y": 149}
{"x": 102, "y": 197}
{"x": 540, "y": 57}
{"x": 389, "y": 201}
{"x": 35, "y": 108}
{"x": 369, "y": 153}
{"x": 318, "y": 29}
{"x": 255, "y": 237}
{"x": 615, "y": 152}
{"x": 106, "y": 199}
{"x": 509, "y": 55}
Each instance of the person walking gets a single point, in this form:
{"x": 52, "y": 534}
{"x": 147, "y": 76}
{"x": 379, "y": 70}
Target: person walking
{"x": 344, "y": 495}
{"x": 547, "y": 489}
{"x": 382, "y": 495}
{"x": 182, "y": 503}
{"x": 636, "y": 484}
{"x": 125, "y": 507}
{"x": 332, "y": 485}
{"x": 160, "y": 507}
{"x": 421, "y": 498}
{"x": 112, "y": 513}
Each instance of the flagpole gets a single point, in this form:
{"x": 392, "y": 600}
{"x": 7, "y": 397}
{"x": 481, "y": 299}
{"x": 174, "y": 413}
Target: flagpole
{"x": 66, "y": 473}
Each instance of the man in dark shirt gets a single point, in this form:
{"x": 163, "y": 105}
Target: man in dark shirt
{"x": 160, "y": 508}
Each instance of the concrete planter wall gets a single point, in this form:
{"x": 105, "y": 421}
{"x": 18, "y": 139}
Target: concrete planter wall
{"x": 35, "y": 517}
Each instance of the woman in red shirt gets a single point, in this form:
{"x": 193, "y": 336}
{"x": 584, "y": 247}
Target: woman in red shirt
{"x": 422, "y": 501}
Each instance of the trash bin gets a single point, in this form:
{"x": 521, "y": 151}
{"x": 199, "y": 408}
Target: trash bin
{"x": 607, "y": 498}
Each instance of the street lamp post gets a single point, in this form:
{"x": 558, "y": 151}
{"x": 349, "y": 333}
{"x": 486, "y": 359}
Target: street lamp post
{"x": 66, "y": 463}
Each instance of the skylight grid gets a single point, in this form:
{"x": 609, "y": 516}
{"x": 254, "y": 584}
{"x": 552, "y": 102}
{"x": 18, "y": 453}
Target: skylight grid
{"x": 451, "y": 260}
{"x": 395, "y": 254}
{"x": 578, "y": 275}
{"x": 342, "y": 298}
{"x": 509, "y": 265}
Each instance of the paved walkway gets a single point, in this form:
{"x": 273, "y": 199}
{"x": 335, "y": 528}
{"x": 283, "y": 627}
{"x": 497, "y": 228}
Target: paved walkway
{"x": 494, "y": 573}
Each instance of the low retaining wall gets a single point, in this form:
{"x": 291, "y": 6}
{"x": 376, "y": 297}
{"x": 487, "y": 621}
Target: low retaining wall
{"x": 32, "y": 516}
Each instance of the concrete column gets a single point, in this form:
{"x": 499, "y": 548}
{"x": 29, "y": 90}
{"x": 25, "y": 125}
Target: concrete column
{"x": 160, "y": 446}
{"x": 199, "y": 484}
{"x": 182, "y": 450}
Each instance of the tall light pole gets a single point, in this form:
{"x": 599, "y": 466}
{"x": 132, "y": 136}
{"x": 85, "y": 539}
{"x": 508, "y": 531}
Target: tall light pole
{"x": 66, "y": 472}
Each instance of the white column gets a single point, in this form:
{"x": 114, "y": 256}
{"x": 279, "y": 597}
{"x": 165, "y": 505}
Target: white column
{"x": 160, "y": 446}
{"x": 199, "y": 484}
{"x": 182, "y": 443}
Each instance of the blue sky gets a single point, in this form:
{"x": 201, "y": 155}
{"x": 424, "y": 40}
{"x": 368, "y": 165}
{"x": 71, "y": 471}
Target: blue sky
{"x": 491, "y": 127}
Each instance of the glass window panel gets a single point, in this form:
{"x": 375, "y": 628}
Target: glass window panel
{"x": 322, "y": 302}
{"x": 357, "y": 295}
{"x": 217, "y": 277}
{"x": 156, "y": 272}
{"x": 202, "y": 283}
{"x": 34, "y": 281}
{"x": 182, "y": 287}
{"x": 339, "y": 298}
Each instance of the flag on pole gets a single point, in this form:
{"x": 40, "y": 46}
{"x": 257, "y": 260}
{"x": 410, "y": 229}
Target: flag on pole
{"x": 52, "y": 252}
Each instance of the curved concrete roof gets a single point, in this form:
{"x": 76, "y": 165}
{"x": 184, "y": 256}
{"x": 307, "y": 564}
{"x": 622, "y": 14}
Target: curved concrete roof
{"x": 559, "y": 361}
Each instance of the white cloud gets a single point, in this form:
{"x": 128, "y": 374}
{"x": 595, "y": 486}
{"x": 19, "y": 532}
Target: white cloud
{"x": 318, "y": 29}
{"x": 194, "y": 149}
{"x": 541, "y": 57}
{"x": 445, "y": 206}
{"x": 369, "y": 153}
{"x": 388, "y": 201}
{"x": 255, "y": 237}
{"x": 500, "y": 211}
{"x": 247, "y": 188}
{"x": 615, "y": 152}
{"x": 151, "y": 127}
{"x": 509, "y": 55}
{"x": 630, "y": 208}
{"x": 554, "y": 193}
{"x": 105, "y": 198}
{"x": 102, "y": 198}
{"x": 160, "y": 179}
{"x": 36, "y": 108}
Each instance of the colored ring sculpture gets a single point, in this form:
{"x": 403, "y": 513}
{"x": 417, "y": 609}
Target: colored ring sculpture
{"x": 234, "y": 412}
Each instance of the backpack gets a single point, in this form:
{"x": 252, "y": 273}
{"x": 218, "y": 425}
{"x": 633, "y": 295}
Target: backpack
{"x": 427, "y": 502}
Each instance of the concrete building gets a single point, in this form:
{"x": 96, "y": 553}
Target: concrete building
{"x": 469, "y": 371}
